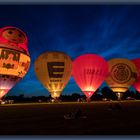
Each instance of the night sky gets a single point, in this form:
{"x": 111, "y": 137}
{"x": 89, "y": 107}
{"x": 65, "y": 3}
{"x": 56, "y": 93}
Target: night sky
{"x": 110, "y": 31}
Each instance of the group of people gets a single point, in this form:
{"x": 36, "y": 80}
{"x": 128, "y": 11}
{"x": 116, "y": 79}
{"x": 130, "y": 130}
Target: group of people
{"x": 78, "y": 113}
{"x": 75, "y": 115}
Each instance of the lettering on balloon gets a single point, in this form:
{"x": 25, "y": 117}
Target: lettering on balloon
{"x": 25, "y": 65}
{"x": 92, "y": 72}
{"x": 9, "y": 59}
{"x": 9, "y": 78}
{"x": 121, "y": 73}
{"x": 55, "y": 70}
{"x": 56, "y": 80}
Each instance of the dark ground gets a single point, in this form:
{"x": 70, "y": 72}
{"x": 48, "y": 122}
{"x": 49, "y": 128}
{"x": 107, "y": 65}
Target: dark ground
{"x": 47, "y": 119}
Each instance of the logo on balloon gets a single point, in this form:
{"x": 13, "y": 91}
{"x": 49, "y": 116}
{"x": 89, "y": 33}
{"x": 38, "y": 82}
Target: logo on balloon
{"x": 121, "y": 73}
{"x": 56, "y": 70}
{"x": 9, "y": 59}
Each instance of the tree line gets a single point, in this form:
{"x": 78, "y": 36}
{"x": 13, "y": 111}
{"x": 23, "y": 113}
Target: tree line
{"x": 104, "y": 93}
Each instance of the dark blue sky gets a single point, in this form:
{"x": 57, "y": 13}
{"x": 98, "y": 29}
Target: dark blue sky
{"x": 108, "y": 30}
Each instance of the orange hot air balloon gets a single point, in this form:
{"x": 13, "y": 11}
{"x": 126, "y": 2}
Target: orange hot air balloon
{"x": 14, "y": 57}
{"x": 136, "y": 84}
{"x": 53, "y": 70}
{"x": 89, "y": 72}
{"x": 122, "y": 75}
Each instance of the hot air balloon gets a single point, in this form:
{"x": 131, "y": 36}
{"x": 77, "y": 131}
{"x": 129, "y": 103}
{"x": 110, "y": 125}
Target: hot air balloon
{"x": 122, "y": 74}
{"x": 53, "y": 70}
{"x": 14, "y": 57}
{"x": 136, "y": 84}
{"x": 89, "y": 71}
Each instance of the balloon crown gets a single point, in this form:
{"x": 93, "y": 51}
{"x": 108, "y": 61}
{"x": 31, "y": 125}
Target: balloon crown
{"x": 13, "y": 36}
{"x": 9, "y": 28}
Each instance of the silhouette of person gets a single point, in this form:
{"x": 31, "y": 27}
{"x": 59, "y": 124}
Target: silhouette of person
{"x": 78, "y": 113}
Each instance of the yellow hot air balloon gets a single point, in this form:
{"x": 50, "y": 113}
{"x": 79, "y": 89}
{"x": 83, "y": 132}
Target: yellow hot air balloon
{"x": 53, "y": 70}
{"x": 122, "y": 74}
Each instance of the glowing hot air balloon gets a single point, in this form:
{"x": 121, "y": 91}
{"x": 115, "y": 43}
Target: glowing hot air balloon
{"x": 122, "y": 75}
{"x": 89, "y": 71}
{"x": 53, "y": 70}
{"x": 136, "y": 84}
{"x": 14, "y": 57}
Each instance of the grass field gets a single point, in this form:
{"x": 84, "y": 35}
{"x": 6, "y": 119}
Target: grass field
{"x": 48, "y": 119}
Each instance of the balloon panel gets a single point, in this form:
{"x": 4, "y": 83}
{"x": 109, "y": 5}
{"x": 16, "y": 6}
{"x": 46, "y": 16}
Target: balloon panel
{"x": 14, "y": 35}
{"x": 13, "y": 62}
{"x": 6, "y": 83}
{"x": 136, "y": 84}
{"x": 53, "y": 69}
{"x": 122, "y": 74}
{"x": 14, "y": 38}
{"x": 89, "y": 71}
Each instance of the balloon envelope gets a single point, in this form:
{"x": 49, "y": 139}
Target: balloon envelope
{"x": 53, "y": 70}
{"x": 122, "y": 74}
{"x": 89, "y": 71}
{"x": 13, "y": 38}
{"x": 136, "y": 84}
{"x": 14, "y": 62}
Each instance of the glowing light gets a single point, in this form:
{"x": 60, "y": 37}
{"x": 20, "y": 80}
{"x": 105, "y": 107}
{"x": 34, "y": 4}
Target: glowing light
{"x": 53, "y": 70}
{"x": 89, "y": 88}
{"x": 55, "y": 94}
{"x": 1, "y": 92}
{"x": 89, "y": 71}
{"x": 14, "y": 57}
{"x": 89, "y": 93}
{"x": 121, "y": 74}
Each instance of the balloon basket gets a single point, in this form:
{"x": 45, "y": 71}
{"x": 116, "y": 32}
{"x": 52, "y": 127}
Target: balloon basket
{"x": 55, "y": 100}
{"x": 88, "y": 100}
